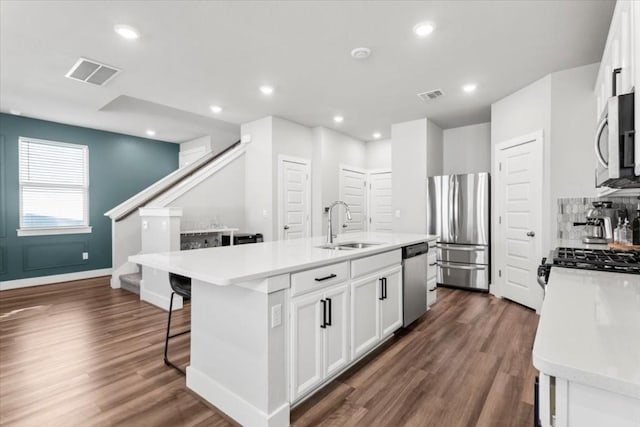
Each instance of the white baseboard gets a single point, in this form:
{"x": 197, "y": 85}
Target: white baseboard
{"x": 159, "y": 300}
{"x": 56, "y": 278}
{"x": 232, "y": 404}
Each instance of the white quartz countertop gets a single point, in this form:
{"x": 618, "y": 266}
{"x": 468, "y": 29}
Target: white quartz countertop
{"x": 228, "y": 265}
{"x": 589, "y": 330}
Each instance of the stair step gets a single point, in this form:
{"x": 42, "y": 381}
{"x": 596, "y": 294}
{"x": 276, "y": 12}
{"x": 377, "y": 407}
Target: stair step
{"x": 131, "y": 282}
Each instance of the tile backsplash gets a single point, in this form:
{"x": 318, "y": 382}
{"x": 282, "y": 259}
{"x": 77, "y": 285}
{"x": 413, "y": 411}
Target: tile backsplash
{"x": 574, "y": 209}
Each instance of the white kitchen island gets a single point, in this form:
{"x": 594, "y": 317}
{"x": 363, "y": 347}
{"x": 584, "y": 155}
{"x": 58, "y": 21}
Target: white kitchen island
{"x": 273, "y": 322}
{"x": 587, "y": 349}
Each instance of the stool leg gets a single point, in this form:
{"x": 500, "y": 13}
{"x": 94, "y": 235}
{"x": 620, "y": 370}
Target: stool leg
{"x": 166, "y": 340}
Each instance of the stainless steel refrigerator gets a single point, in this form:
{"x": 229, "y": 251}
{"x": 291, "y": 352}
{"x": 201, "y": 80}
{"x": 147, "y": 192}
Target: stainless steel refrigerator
{"x": 458, "y": 211}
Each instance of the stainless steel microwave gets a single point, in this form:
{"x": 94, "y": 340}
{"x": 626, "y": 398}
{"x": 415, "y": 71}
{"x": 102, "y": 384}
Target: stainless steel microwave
{"x": 617, "y": 164}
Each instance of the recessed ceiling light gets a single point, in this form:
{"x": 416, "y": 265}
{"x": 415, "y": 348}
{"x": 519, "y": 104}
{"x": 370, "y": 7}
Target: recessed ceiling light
{"x": 216, "y": 109}
{"x": 338, "y": 119}
{"x": 126, "y": 31}
{"x": 151, "y": 132}
{"x": 469, "y": 87}
{"x": 423, "y": 29}
{"x": 15, "y": 112}
{"x": 377, "y": 135}
{"x": 361, "y": 53}
{"x": 267, "y": 90}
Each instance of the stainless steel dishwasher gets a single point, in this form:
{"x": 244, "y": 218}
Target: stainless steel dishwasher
{"x": 414, "y": 281}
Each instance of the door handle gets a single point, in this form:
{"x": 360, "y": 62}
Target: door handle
{"x": 345, "y": 225}
{"x": 384, "y": 285}
{"x": 531, "y": 234}
{"x": 381, "y": 288}
{"x": 324, "y": 314}
{"x": 286, "y": 227}
{"x": 462, "y": 266}
{"x": 328, "y": 322}
{"x": 599, "y": 155}
{"x": 322, "y": 279}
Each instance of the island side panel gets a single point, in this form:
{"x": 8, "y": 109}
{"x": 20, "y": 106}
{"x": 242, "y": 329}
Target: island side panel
{"x": 238, "y": 361}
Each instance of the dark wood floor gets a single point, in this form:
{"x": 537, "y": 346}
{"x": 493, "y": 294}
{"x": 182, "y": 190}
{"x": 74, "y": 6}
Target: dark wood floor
{"x": 81, "y": 353}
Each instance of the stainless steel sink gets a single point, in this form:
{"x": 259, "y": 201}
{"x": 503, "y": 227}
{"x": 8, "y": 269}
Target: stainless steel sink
{"x": 334, "y": 247}
{"x": 347, "y": 246}
{"x": 358, "y": 245}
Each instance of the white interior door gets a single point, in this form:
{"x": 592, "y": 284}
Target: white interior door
{"x": 295, "y": 192}
{"x": 380, "y": 207}
{"x": 353, "y": 183}
{"x": 519, "y": 204}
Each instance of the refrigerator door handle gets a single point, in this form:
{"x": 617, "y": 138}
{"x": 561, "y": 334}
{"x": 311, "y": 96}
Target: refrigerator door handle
{"x": 463, "y": 267}
{"x": 450, "y": 203}
{"x": 461, "y": 248}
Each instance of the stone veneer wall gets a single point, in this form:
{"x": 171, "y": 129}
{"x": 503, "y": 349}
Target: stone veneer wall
{"x": 574, "y": 209}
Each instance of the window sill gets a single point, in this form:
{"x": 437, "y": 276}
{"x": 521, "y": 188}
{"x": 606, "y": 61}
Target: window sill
{"x": 53, "y": 231}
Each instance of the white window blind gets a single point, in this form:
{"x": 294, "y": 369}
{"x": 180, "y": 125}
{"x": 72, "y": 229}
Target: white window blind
{"x": 54, "y": 185}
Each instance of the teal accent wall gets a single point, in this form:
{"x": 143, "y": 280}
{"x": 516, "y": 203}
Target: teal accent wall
{"x": 119, "y": 167}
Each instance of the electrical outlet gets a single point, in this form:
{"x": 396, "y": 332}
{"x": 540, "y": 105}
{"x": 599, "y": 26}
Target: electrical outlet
{"x": 398, "y": 214}
{"x": 85, "y": 255}
{"x": 265, "y": 213}
{"x": 276, "y": 315}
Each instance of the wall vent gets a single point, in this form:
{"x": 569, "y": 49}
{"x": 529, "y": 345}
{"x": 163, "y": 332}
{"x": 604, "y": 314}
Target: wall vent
{"x": 431, "y": 95}
{"x": 88, "y": 71}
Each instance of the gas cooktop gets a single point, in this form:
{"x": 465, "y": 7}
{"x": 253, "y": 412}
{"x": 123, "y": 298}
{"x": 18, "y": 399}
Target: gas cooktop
{"x": 597, "y": 259}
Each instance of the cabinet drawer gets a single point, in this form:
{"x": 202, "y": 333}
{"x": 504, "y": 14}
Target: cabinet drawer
{"x": 318, "y": 278}
{"x": 363, "y": 266}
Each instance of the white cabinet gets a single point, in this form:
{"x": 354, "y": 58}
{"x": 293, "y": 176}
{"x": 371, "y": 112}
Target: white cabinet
{"x": 391, "y": 301}
{"x": 319, "y": 337}
{"x": 336, "y": 334}
{"x": 620, "y": 52}
{"x": 306, "y": 343}
{"x": 365, "y": 314}
{"x": 376, "y": 309}
{"x": 566, "y": 403}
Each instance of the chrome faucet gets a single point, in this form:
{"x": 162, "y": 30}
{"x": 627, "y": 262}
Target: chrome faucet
{"x": 329, "y": 223}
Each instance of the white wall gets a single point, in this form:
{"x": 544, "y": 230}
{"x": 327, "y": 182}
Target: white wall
{"x": 409, "y": 185}
{"x": 258, "y": 194}
{"x": 434, "y": 149}
{"x": 220, "y": 196}
{"x": 378, "y": 154}
{"x": 573, "y": 127}
{"x": 467, "y": 149}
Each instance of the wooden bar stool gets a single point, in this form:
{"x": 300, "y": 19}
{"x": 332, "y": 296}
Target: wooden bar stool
{"x": 180, "y": 285}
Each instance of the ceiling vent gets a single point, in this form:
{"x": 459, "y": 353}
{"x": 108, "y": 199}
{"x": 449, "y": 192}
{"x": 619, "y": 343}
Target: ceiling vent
{"x": 431, "y": 95}
{"x": 88, "y": 71}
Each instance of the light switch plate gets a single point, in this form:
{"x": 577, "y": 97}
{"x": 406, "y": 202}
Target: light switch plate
{"x": 398, "y": 213}
{"x": 85, "y": 255}
{"x": 276, "y": 315}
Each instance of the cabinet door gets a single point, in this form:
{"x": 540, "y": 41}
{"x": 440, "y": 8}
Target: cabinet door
{"x": 391, "y": 305}
{"x": 365, "y": 315}
{"x": 306, "y": 344}
{"x": 336, "y": 334}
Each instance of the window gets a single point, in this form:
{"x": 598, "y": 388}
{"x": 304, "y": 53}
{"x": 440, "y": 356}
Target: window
{"x": 54, "y": 187}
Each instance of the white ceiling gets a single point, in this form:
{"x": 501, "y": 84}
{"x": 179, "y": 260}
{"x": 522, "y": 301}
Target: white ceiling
{"x": 194, "y": 54}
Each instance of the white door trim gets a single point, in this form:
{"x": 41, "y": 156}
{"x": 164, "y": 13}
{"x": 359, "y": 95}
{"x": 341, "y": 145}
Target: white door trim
{"x": 498, "y": 232}
{"x": 281, "y": 159}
